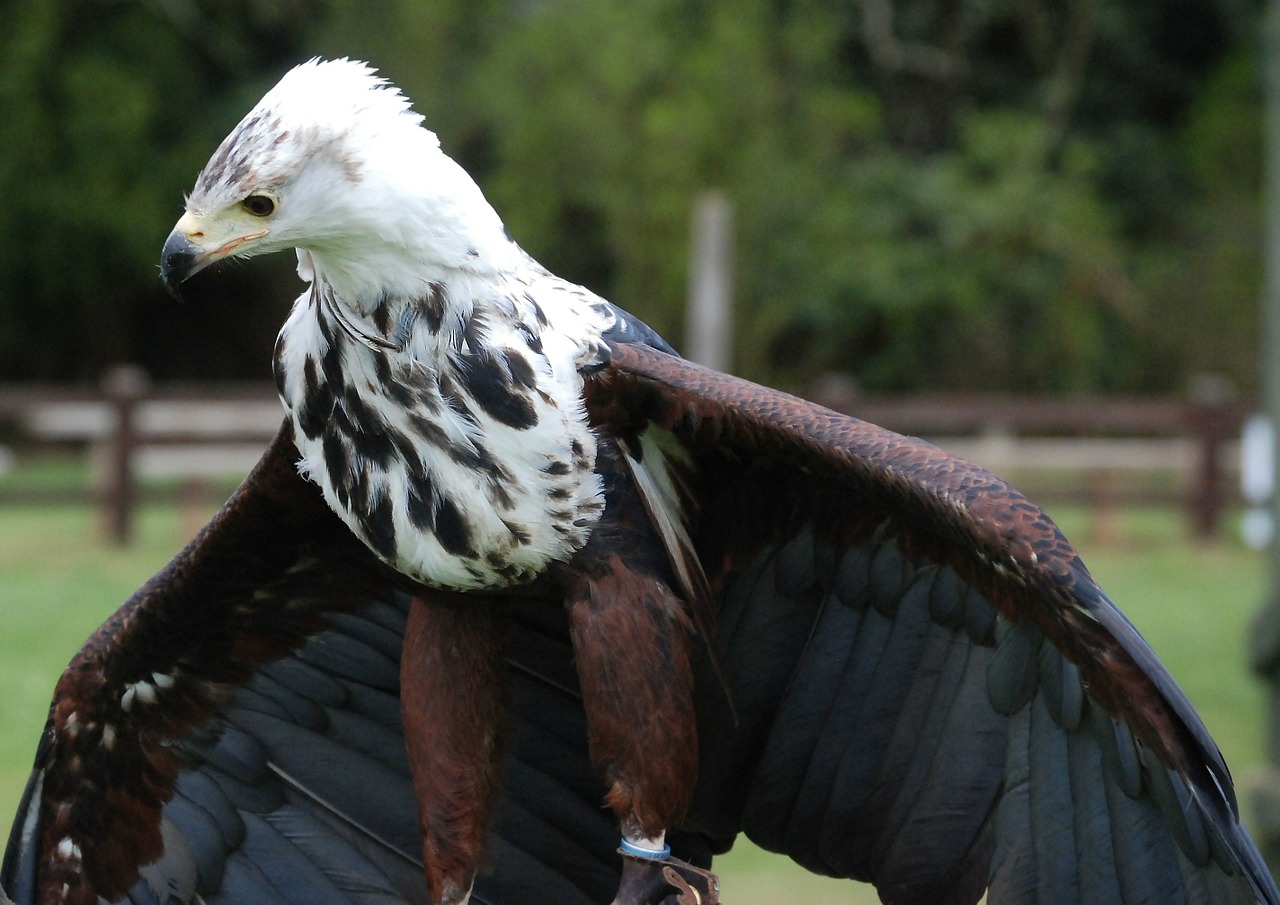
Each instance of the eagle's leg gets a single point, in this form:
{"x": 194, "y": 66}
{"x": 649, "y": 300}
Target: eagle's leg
{"x": 451, "y": 697}
{"x": 632, "y": 641}
{"x": 667, "y": 882}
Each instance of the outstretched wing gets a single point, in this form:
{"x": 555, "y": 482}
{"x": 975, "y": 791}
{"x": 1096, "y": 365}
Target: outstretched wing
{"x": 233, "y": 734}
{"x": 925, "y": 687}
{"x": 914, "y": 682}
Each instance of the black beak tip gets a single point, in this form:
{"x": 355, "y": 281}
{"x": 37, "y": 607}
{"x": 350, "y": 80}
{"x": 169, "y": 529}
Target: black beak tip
{"x": 178, "y": 260}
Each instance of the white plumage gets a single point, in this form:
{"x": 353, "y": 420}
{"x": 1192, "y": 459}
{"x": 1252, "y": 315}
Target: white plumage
{"x": 432, "y": 368}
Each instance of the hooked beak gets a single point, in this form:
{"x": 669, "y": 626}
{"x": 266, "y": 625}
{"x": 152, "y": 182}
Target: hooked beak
{"x": 179, "y": 259}
{"x": 187, "y": 251}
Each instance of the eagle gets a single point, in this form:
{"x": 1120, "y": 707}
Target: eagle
{"x": 521, "y": 607}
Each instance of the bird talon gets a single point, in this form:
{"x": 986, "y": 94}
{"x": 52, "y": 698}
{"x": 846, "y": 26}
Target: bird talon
{"x": 648, "y": 882}
{"x": 689, "y": 894}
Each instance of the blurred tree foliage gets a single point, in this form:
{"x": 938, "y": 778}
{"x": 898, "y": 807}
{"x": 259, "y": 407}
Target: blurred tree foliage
{"x": 109, "y": 109}
{"x": 1052, "y": 195}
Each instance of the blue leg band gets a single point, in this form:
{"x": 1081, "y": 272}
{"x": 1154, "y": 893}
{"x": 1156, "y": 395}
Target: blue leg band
{"x": 630, "y": 848}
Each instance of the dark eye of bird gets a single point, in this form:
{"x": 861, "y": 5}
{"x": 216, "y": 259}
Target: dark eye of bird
{"x": 259, "y": 205}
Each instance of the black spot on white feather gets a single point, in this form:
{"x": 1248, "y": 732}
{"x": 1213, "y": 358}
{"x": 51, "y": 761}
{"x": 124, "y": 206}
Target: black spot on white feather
{"x": 494, "y": 388}
{"x": 358, "y": 491}
{"x": 399, "y": 393}
{"x": 420, "y": 379}
{"x": 337, "y": 463}
{"x": 494, "y": 471}
{"x": 531, "y": 339}
{"x": 277, "y": 365}
{"x": 382, "y": 369}
{"x": 433, "y": 307}
{"x": 379, "y": 526}
{"x": 451, "y": 528}
{"x": 405, "y": 451}
{"x": 419, "y": 504}
{"x": 382, "y": 315}
{"x": 453, "y": 400}
{"x": 518, "y": 532}
{"x": 366, "y": 430}
{"x": 538, "y": 314}
{"x": 331, "y": 365}
{"x": 475, "y": 332}
{"x": 429, "y": 432}
{"x": 521, "y": 371}
{"x": 317, "y": 402}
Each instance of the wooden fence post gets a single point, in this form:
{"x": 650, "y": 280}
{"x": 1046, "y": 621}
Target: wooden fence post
{"x": 124, "y": 386}
{"x": 709, "y": 312}
{"x": 1212, "y": 399}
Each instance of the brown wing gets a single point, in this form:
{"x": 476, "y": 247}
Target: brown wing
{"x": 233, "y": 734}
{"x": 931, "y": 692}
{"x": 927, "y": 690}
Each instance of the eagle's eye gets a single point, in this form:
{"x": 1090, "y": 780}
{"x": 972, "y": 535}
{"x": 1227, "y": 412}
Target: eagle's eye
{"x": 259, "y": 205}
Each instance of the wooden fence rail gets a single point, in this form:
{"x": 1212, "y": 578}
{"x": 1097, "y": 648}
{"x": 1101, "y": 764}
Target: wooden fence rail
{"x": 132, "y": 428}
{"x": 1194, "y": 437}
{"x": 197, "y": 431}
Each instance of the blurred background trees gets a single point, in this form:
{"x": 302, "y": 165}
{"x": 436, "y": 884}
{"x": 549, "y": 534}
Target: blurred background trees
{"x": 1050, "y": 195}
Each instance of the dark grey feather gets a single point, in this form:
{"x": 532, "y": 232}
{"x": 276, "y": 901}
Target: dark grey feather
{"x": 200, "y": 789}
{"x": 1060, "y": 685}
{"x": 208, "y": 844}
{"x": 1146, "y": 856}
{"x": 941, "y": 753}
{"x": 1119, "y": 751}
{"x": 284, "y": 866}
{"x": 1012, "y": 678}
{"x": 947, "y": 598}
{"x": 1053, "y": 830}
{"x": 230, "y": 750}
{"x": 795, "y": 567}
{"x": 853, "y": 572}
{"x": 1096, "y": 866}
{"x": 1171, "y": 796}
{"x": 889, "y": 575}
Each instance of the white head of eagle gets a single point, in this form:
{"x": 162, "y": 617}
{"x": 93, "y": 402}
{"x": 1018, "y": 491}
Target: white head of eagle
{"x": 432, "y": 370}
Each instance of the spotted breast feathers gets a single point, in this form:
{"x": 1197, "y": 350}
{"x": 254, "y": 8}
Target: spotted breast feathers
{"x": 447, "y": 429}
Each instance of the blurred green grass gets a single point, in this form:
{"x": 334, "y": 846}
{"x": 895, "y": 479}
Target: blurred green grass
{"x": 58, "y": 581}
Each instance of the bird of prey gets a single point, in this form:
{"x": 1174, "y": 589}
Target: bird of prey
{"x": 515, "y": 579}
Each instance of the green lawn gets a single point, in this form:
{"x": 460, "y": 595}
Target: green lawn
{"x": 58, "y": 581}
